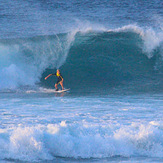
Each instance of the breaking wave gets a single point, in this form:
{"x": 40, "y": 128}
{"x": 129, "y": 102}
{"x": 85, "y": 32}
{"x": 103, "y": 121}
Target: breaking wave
{"x": 87, "y": 59}
{"x": 85, "y": 141}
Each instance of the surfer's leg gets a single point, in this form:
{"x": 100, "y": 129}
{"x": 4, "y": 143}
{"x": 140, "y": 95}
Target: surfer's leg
{"x": 61, "y": 83}
{"x": 56, "y": 87}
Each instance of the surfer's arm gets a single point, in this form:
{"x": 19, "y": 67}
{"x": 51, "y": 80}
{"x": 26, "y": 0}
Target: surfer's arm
{"x": 48, "y": 76}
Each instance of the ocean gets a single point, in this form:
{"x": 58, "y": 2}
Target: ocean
{"x": 110, "y": 53}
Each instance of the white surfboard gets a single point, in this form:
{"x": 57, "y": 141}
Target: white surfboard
{"x": 60, "y": 91}
{"x": 53, "y": 90}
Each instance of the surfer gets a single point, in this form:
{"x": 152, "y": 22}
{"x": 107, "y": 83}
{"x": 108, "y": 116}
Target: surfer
{"x": 59, "y": 81}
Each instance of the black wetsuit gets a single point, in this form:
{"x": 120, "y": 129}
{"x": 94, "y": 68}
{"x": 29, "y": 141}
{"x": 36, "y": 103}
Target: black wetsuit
{"x": 59, "y": 76}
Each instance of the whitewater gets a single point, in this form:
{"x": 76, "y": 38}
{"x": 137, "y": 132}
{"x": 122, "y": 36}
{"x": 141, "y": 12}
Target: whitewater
{"x": 110, "y": 54}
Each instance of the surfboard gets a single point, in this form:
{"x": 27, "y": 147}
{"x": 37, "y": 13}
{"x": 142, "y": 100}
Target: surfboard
{"x": 60, "y": 91}
{"x": 54, "y": 91}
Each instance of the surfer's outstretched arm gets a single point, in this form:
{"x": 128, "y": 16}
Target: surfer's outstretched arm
{"x": 48, "y": 76}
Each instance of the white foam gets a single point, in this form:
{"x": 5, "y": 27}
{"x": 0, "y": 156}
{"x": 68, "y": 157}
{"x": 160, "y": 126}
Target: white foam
{"x": 152, "y": 40}
{"x": 24, "y": 62}
{"x": 131, "y": 27}
{"x": 26, "y": 144}
{"x": 81, "y": 140}
{"x": 12, "y": 76}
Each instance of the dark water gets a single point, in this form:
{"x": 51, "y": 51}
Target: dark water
{"x": 39, "y": 17}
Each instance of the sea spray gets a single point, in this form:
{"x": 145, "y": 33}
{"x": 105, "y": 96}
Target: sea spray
{"x": 26, "y": 59}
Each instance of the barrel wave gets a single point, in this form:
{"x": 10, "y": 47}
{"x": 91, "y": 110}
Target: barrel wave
{"x": 124, "y": 58}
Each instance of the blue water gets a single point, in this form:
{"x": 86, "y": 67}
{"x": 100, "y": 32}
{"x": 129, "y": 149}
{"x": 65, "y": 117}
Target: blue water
{"x": 110, "y": 54}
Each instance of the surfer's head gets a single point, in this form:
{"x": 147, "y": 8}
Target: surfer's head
{"x": 58, "y": 71}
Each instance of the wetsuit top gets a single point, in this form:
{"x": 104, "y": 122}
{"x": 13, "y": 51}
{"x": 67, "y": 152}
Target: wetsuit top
{"x": 59, "y": 76}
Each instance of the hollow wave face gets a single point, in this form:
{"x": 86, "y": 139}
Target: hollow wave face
{"x": 87, "y": 59}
